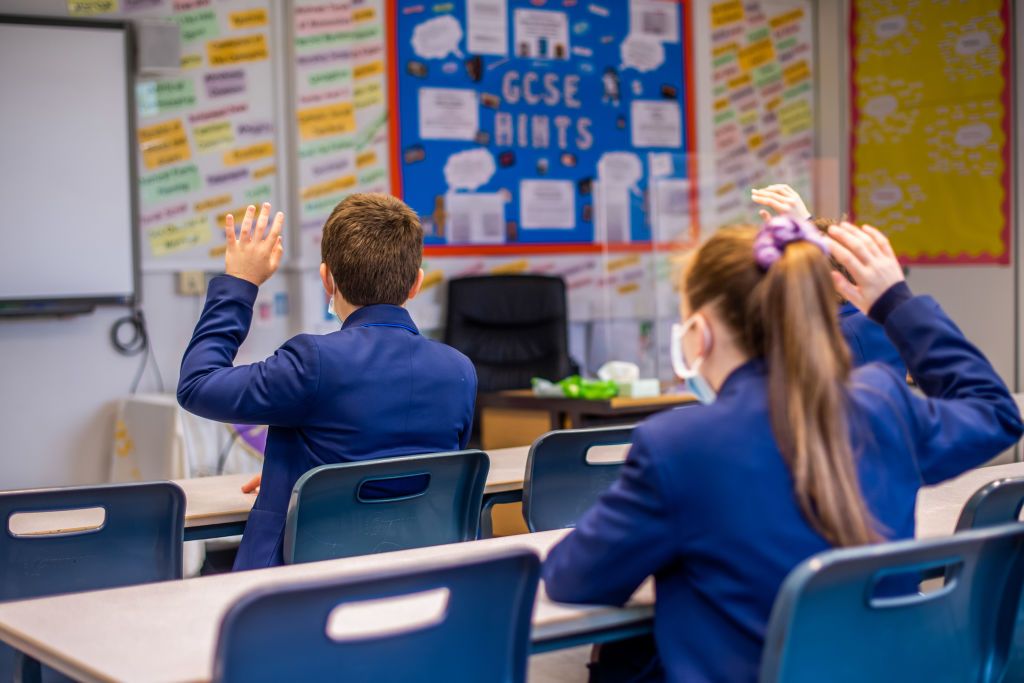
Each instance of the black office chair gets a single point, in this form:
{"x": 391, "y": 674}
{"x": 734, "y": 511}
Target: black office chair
{"x": 513, "y": 328}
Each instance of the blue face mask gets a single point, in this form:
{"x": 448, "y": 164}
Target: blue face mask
{"x": 696, "y": 384}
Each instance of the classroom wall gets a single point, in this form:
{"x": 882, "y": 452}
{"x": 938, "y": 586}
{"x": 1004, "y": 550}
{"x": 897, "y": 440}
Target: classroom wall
{"x": 983, "y": 300}
{"x": 62, "y": 379}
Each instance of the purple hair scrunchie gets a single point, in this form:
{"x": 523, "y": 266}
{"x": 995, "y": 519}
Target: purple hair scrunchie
{"x": 780, "y": 231}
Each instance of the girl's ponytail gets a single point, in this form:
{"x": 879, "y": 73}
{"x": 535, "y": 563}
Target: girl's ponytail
{"x": 773, "y": 288}
{"x": 808, "y": 368}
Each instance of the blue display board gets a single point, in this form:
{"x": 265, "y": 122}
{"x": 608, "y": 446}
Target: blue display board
{"x": 506, "y": 108}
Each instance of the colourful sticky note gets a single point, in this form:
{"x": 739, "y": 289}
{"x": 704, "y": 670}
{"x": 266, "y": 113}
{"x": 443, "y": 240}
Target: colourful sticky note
{"x": 164, "y": 143}
{"x": 368, "y": 69}
{"x": 175, "y": 237}
{"x": 330, "y": 187}
{"x": 243, "y": 155}
{"x": 250, "y": 18}
{"x": 212, "y": 203}
{"x": 211, "y": 136}
{"x": 328, "y": 119}
{"x": 198, "y": 25}
{"x": 368, "y": 94}
{"x": 237, "y": 50}
{"x": 158, "y": 187}
{"x": 723, "y": 13}
{"x": 88, "y": 8}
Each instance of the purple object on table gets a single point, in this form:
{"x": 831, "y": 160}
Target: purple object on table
{"x": 253, "y": 437}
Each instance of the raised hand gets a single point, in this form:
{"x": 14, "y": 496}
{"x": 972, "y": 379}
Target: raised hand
{"x": 253, "y": 255}
{"x": 869, "y": 258}
{"x": 783, "y": 198}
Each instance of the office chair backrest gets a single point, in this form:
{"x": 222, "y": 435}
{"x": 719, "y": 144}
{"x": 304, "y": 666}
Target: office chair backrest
{"x": 461, "y": 623}
{"x": 832, "y": 622}
{"x": 560, "y": 485}
{"x": 374, "y": 506}
{"x": 513, "y": 328}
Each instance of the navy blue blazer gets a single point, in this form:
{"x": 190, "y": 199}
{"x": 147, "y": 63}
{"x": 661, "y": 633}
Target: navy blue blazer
{"x": 705, "y": 502}
{"x": 867, "y": 340}
{"x": 375, "y": 388}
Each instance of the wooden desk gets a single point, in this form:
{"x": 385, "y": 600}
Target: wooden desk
{"x": 514, "y": 418}
{"x": 216, "y": 507}
{"x": 167, "y": 631}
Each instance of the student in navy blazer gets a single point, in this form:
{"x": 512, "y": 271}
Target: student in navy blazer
{"x": 868, "y": 341}
{"x": 794, "y": 453}
{"x": 375, "y": 388}
{"x": 866, "y": 338}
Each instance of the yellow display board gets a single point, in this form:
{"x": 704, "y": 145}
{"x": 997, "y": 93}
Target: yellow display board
{"x": 930, "y": 139}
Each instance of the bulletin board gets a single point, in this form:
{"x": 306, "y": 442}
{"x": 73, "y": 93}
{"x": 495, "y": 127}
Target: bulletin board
{"x": 931, "y": 135}
{"x": 525, "y": 127}
{"x": 755, "y": 120}
{"x": 341, "y": 110}
{"x": 205, "y": 132}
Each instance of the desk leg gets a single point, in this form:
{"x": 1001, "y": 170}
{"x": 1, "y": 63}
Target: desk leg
{"x": 574, "y": 421}
{"x": 490, "y": 500}
{"x": 26, "y": 669}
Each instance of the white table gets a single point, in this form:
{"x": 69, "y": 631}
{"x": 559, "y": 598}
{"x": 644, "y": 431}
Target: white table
{"x": 938, "y": 507}
{"x": 167, "y": 631}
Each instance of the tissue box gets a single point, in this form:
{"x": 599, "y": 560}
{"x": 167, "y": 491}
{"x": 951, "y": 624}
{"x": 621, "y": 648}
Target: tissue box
{"x": 641, "y": 388}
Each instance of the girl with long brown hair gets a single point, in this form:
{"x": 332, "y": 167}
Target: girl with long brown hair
{"x": 793, "y": 452}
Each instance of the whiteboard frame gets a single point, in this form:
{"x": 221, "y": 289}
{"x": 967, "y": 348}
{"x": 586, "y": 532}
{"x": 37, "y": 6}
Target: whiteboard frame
{"x": 71, "y": 304}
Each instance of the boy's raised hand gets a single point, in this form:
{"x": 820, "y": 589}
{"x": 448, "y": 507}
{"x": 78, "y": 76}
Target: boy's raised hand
{"x": 869, "y": 258}
{"x": 783, "y": 198}
{"x": 253, "y": 255}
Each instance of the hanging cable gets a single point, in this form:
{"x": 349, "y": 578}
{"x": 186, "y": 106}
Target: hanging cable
{"x": 129, "y": 337}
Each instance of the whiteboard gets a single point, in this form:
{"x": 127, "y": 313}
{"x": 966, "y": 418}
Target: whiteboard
{"x": 66, "y": 178}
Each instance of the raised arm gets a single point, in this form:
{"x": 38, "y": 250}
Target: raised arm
{"x": 275, "y": 391}
{"x": 969, "y": 415}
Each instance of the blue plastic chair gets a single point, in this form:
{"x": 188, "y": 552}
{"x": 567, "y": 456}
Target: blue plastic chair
{"x": 329, "y": 516}
{"x": 281, "y": 633}
{"x": 139, "y": 541}
{"x": 998, "y": 502}
{"x": 560, "y": 485}
{"x": 829, "y": 622}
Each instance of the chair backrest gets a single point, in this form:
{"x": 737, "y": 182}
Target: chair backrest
{"x": 998, "y": 502}
{"x": 331, "y": 516}
{"x": 830, "y": 621}
{"x": 513, "y": 328}
{"x": 995, "y": 503}
{"x": 138, "y": 539}
{"x": 560, "y": 485}
{"x": 302, "y": 632}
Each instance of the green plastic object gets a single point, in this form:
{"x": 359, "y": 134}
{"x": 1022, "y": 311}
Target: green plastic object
{"x": 575, "y": 386}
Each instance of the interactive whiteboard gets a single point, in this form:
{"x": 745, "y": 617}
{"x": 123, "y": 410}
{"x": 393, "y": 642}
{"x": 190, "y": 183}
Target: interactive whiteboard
{"x": 66, "y": 176}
